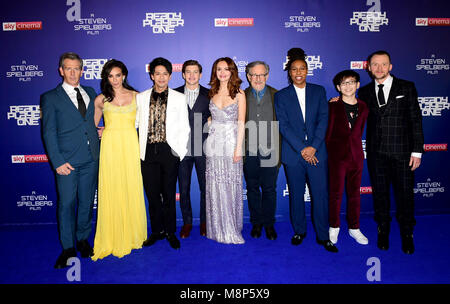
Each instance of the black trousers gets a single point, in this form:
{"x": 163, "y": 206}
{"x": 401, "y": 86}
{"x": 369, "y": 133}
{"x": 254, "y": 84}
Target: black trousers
{"x": 386, "y": 170}
{"x": 184, "y": 183}
{"x": 159, "y": 174}
{"x": 261, "y": 190}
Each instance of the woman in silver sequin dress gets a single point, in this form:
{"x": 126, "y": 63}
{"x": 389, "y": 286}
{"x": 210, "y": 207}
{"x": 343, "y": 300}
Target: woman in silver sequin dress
{"x": 223, "y": 148}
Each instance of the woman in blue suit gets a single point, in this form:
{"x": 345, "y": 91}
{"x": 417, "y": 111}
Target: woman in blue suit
{"x": 302, "y": 111}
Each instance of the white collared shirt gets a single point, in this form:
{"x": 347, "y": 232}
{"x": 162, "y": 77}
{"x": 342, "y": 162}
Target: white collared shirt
{"x": 70, "y": 90}
{"x": 191, "y": 96}
{"x": 386, "y": 89}
{"x": 301, "y": 96}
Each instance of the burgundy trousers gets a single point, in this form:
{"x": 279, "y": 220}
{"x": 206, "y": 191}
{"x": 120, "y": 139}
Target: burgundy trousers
{"x": 345, "y": 174}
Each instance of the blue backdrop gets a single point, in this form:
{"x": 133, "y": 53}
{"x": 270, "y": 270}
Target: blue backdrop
{"x": 336, "y": 35}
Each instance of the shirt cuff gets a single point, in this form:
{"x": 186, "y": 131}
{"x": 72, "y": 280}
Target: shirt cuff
{"x": 415, "y": 154}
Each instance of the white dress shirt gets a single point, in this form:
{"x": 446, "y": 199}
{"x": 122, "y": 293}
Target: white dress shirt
{"x": 70, "y": 90}
{"x": 386, "y": 89}
{"x": 301, "y": 96}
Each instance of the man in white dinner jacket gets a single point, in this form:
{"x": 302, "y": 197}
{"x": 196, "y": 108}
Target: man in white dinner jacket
{"x": 163, "y": 122}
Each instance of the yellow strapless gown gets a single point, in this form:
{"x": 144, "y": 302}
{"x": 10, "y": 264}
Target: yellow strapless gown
{"x": 122, "y": 218}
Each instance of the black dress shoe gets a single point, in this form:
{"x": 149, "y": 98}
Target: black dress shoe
{"x": 256, "y": 231}
{"x": 173, "y": 241}
{"x": 297, "y": 239}
{"x": 153, "y": 238}
{"x": 85, "y": 249}
{"x": 383, "y": 240}
{"x": 328, "y": 245}
{"x": 408, "y": 244}
{"x": 61, "y": 262}
{"x": 271, "y": 234}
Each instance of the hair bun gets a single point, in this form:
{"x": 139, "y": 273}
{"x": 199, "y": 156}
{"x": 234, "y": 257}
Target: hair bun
{"x": 296, "y": 53}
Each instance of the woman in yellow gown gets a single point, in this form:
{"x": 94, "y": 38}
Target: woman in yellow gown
{"x": 121, "y": 214}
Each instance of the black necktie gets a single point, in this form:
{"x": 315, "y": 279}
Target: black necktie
{"x": 81, "y": 104}
{"x": 381, "y": 99}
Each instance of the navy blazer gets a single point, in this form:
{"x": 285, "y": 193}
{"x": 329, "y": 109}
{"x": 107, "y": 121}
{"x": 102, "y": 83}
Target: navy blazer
{"x": 65, "y": 132}
{"x": 201, "y": 106}
{"x": 292, "y": 127}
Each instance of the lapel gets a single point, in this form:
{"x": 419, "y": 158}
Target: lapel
{"x": 65, "y": 99}
{"x": 342, "y": 115}
{"x": 91, "y": 99}
{"x": 392, "y": 94}
{"x": 295, "y": 103}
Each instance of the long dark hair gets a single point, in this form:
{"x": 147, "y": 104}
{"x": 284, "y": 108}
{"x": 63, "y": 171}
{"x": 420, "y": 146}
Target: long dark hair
{"x": 105, "y": 86}
{"x": 293, "y": 55}
{"x": 233, "y": 84}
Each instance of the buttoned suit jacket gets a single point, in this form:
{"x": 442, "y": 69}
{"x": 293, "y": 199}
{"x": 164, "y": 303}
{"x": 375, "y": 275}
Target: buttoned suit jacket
{"x": 395, "y": 128}
{"x": 292, "y": 126}
{"x": 65, "y": 131}
{"x": 344, "y": 143}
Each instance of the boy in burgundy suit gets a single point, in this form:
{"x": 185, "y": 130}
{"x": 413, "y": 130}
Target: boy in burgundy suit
{"x": 346, "y": 121}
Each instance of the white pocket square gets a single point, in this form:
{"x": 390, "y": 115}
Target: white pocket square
{"x": 399, "y": 96}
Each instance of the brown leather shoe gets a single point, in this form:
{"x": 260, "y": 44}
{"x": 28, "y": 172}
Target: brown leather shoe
{"x": 185, "y": 231}
{"x": 203, "y": 229}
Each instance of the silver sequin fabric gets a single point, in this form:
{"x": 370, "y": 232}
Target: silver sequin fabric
{"x": 224, "y": 204}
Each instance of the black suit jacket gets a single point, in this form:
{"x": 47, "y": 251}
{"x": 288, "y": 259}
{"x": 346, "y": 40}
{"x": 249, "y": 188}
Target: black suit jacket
{"x": 396, "y": 128}
{"x": 201, "y": 106}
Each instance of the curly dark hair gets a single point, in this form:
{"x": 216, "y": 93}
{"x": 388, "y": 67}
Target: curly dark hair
{"x": 105, "y": 86}
{"x": 234, "y": 83}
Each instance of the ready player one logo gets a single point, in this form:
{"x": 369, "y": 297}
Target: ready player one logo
{"x": 163, "y": 23}
{"x": 92, "y": 68}
{"x": 433, "y": 106}
{"x": 313, "y": 64}
{"x": 25, "y": 115}
{"x": 371, "y": 20}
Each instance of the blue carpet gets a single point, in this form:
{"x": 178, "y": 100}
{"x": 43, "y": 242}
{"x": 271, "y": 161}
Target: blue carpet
{"x": 29, "y": 253}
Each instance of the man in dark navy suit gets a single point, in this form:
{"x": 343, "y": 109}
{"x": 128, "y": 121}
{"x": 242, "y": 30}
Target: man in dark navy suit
{"x": 72, "y": 145}
{"x": 198, "y": 108}
{"x": 394, "y": 147}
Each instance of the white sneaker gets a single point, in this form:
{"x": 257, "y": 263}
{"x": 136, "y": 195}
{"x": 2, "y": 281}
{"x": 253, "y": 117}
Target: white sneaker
{"x": 358, "y": 236}
{"x": 333, "y": 233}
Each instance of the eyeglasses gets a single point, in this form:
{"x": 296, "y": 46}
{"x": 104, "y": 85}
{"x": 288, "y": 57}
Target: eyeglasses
{"x": 347, "y": 83}
{"x": 257, "y": 75}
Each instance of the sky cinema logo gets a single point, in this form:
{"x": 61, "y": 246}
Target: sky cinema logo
{"x": 358, "y": 65}
{"x": 23, "y": 159}
{"x": 22, "y": 26}
{"x": 226, "y": 22}
{"x": 432, "y": 21}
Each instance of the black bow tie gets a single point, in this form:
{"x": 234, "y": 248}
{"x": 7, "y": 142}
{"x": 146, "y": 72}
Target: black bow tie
{"x": 157, "y": 95}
